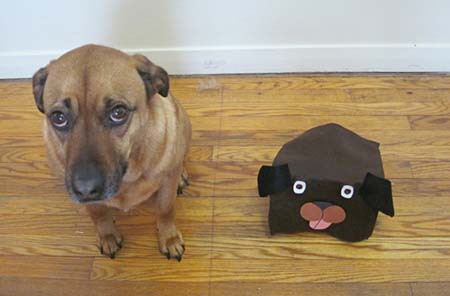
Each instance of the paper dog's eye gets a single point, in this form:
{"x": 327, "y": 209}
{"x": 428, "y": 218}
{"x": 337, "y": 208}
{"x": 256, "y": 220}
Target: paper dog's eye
{"x": 347, "y": 191}
{"x": 299, "y": 187}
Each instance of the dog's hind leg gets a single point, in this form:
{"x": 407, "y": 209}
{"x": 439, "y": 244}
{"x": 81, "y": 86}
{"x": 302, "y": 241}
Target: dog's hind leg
{"x": 184, "y": 181}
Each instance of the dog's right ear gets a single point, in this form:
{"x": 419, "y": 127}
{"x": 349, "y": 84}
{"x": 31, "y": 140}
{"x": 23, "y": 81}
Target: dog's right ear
{"x": 273, "y": 179}
{"x": 155, "y": 78}
{"x": 39, "y": 79}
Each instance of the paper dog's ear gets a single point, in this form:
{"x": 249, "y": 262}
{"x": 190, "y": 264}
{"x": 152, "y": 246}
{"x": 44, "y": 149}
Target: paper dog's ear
{"x": 273, "y": 179}
{"x": 377, "y": 192}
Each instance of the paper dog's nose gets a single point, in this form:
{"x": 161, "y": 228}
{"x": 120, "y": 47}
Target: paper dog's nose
{"x": 322, "y": 204}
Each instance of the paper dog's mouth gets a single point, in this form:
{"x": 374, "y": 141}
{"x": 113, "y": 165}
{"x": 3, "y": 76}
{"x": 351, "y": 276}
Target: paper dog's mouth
{"x": 319, "y": 224}
{"x": 322, "y": 214}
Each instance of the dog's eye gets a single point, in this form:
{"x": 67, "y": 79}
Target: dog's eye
{"x": 299, "y": 187}
{"x": 59, "y": 120}
{"x": 118, "y": 114}
{"x": 347, "y": 191}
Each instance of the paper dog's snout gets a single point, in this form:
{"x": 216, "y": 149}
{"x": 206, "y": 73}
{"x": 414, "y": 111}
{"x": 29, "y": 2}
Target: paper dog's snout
{"x": 322, "y": 215}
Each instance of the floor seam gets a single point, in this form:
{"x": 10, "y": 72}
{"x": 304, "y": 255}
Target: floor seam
{"x": 411, "y": 290}
{"x": 92, "y": 269}
{"x": 216, "y": 164}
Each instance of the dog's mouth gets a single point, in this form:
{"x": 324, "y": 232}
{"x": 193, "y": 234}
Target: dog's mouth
{"x": 90, "y": 200}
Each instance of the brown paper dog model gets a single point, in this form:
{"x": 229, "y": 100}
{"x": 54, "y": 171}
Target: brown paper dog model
{"x": 329, "y": 180}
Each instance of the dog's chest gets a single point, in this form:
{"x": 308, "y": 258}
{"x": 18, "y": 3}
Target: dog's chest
{"x": 132, "y": 194}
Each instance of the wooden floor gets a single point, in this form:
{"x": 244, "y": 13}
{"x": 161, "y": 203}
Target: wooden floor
{"x": 47, "y": 243}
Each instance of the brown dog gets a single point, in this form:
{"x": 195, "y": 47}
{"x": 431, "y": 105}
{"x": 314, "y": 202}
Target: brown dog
{"x": 117, "y": 136}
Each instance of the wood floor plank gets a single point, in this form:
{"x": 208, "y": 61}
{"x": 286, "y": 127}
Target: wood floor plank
{"x": 393, "y": 168}
{"x": 14, "y": 149}
{"x": 32, "y": 187}
{"x": 45, "y": 267}
{"x": 201, "y": 178}
{"x": 385, "y": 232}
{"x": 38, "y": 205}
{"x": 419, "y": 153}
{"x": 19, "y": 286}
{"x": 280, "y": 122}
{"x": 84, "y": 245}
{"x": 383, "y": 136}
{"x": 439, "y": 122}
{"x": 13, "y": 89}
{"x": 267, "y": 153}
{"x": 376, "y": 97}
{"x": 307, "y": 247}
{"x": 335, "y": 109}
{"x": 336, "y": 102}
{"x": 144, "y": 269}
{"x": 274, "y": 82}
{"x": 280, "y": 97}
{"x": 329, "y": 271}
{"x": 430, "y": 169}
{"x": 197, "y": 83}
{"x": 37, "y": 169}
{"x": 200, "y": 153}
{"x": 399, "y": 95}
{"x": 435, "y": 289}
{"x": 303, "y": 289}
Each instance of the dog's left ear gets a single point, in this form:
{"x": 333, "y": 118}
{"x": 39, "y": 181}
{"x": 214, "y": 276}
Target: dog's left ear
{"x": 273, "y": 179}
{"x": 377, "y": 193}
{"x": 155, "y": 78}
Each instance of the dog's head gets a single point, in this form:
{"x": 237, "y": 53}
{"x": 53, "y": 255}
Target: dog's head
{"x": 96, "y": 101}
{"x": 346, "y": 211}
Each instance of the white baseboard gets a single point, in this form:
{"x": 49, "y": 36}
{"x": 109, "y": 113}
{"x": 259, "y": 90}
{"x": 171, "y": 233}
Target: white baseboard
{"x": 267, "y": 59}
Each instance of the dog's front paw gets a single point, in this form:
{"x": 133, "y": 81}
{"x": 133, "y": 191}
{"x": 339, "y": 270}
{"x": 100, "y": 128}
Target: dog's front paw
{"x": 110, "y": 244}
{"x": 172, "y": 246}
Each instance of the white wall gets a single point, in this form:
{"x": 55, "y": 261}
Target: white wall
{"x": 215, "y": 36}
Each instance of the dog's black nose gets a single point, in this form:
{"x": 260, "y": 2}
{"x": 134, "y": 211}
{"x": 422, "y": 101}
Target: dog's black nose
{"x": 87, "y": 182}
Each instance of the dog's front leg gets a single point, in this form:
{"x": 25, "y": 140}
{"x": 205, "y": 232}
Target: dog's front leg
{"x": 171, "y": 242}
{"x": 110, "y": 240}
